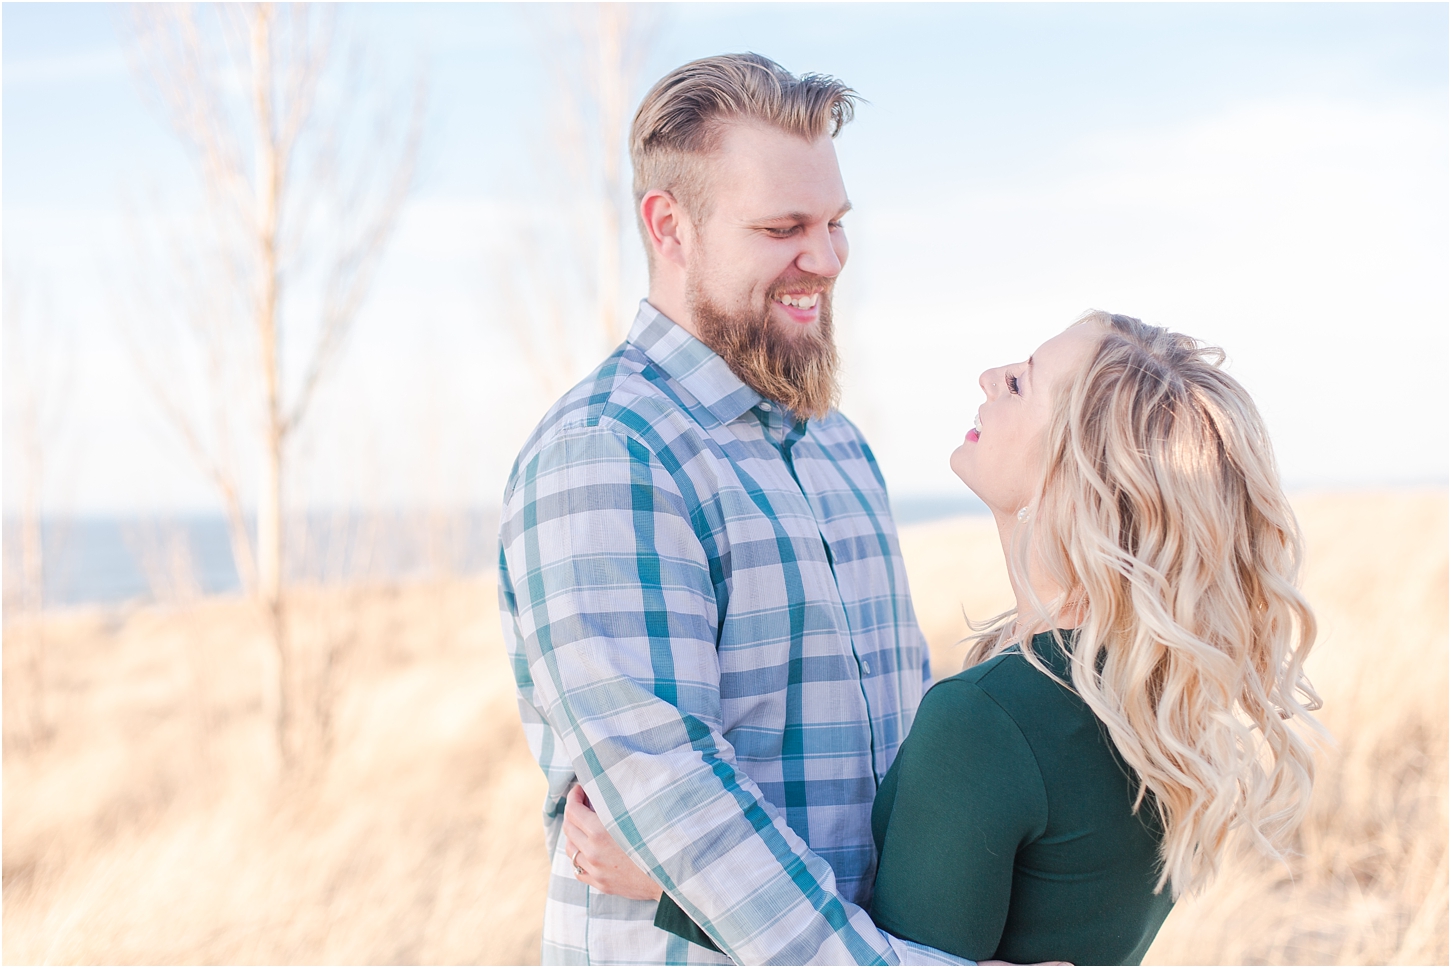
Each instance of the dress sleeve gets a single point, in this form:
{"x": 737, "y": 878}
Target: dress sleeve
{"x": 965, "y": 793}
{"x": 614, "y": 614}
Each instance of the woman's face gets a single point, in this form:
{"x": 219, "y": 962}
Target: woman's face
{"x": 1000, "y": 458}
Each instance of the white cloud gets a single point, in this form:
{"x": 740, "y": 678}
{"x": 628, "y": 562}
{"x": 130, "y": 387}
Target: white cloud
{"x": 1309, "y": 238}
{"x": 62, "y": 68}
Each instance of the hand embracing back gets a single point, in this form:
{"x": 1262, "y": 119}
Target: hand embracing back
{"x": 598, "y": 860}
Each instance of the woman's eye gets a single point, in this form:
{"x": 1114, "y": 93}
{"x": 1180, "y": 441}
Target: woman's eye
{"x": 1012, "y": 382}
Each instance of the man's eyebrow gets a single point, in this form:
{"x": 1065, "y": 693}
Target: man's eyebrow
{"x": 798, "y": 216}
{"x": 784, "y": 217}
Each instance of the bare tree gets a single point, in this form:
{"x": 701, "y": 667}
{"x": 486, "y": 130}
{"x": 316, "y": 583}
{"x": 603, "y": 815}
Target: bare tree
{"x": 39, "y": 370}
{"x": 560, "y": 280}
{"x": 304, "y": 161}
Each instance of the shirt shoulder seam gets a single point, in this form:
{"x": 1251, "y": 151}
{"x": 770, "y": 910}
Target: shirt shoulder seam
{"x": 973, "y": 686}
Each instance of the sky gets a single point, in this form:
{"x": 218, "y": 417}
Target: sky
{"x": 1271, "y": 178}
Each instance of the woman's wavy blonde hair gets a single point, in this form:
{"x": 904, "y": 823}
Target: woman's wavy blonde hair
{"x": 1161, "y": 509}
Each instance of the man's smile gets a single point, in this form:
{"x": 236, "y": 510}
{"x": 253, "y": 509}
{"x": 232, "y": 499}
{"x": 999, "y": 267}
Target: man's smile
{"x": 806, "y": 300}
{"x": 800, "y": 307}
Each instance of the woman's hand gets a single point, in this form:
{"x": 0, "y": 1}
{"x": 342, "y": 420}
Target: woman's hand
{"x": 598, "y": 860}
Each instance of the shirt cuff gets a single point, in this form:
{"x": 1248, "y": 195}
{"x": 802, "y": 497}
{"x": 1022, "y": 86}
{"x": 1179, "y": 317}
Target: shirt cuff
{"x": 670, "y": 917}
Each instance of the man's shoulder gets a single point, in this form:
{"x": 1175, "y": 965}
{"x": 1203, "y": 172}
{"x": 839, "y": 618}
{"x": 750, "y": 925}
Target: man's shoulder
{"x": 844, "y": 443}
{"x": 836, "y": 430}
{"x": 624, "y": 395}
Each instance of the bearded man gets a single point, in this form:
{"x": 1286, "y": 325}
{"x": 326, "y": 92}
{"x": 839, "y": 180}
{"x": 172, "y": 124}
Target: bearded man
{"x": 699, "y": 574}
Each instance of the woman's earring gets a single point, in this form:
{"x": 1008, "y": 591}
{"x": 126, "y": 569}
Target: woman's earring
{"x": 1023, "y": 514}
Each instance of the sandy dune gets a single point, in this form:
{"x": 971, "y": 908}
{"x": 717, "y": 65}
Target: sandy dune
{"x": 144, "y": 822}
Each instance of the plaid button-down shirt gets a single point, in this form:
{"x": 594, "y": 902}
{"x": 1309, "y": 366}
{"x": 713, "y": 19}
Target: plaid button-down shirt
{"x": 710, "y": 628}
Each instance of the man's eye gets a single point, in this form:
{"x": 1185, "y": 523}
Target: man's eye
{"x": 1012, "y": 382}
{"x": 782, "y": 233}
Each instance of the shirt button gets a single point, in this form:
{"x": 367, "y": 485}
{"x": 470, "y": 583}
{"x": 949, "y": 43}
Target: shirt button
{"x": 866, "y": 668}
{"x": 765, "y": 406}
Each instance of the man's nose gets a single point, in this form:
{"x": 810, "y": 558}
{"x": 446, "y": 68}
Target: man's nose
{"x": 819, "y": 256}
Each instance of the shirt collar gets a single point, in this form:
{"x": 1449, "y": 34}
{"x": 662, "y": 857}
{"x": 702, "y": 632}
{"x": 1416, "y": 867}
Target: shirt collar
{"x": 691, "y": 363}
{"x": 1046, "y": 647}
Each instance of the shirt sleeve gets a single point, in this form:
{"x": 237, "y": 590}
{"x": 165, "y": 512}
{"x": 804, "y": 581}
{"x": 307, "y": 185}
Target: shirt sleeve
{"x": 616, "y": 612}
{"x": 964, "y": 794}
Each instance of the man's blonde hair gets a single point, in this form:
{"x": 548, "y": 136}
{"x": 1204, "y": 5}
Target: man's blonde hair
{"x": 680, "y": 120}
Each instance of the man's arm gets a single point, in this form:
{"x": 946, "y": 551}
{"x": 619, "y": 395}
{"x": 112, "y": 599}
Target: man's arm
{"x": 608, "y": 868}
{"x": 617, "y": 613}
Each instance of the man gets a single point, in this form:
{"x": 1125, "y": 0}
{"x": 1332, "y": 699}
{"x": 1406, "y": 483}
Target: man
{"x": 710, "y": 624}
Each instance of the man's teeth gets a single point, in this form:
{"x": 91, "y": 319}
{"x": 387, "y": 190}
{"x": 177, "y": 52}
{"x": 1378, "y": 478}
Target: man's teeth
{"x": 799, "y": 302}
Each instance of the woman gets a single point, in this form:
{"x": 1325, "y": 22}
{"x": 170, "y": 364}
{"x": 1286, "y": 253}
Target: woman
{"x": 1134, "y": 709}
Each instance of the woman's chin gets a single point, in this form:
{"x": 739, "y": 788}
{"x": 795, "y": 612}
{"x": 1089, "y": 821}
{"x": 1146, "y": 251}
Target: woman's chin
{"x": 962, "y": 467}
{"x": 961, "y": 463}
{"x": 966, "y": 479}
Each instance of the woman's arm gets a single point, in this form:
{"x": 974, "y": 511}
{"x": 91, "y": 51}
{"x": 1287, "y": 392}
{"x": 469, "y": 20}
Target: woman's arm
{"x": 963, "y": 795}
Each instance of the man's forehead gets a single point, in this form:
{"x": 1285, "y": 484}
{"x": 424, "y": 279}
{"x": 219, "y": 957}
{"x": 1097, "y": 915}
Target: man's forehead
{"x": 763, "y": 173}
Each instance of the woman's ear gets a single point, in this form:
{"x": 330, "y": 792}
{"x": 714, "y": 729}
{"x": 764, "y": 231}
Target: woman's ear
{"x": 667, "y": 227}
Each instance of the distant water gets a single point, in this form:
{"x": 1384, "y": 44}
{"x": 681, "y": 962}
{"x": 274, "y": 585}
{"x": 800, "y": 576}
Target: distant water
{"x": 110, "y": 560}
{"x": 921, "y": 508}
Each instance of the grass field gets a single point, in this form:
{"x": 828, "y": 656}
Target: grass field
{"x": 144, "y": 823}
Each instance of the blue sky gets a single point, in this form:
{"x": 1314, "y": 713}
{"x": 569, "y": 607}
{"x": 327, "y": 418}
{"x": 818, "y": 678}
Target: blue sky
{"x": 1270, "y": 177}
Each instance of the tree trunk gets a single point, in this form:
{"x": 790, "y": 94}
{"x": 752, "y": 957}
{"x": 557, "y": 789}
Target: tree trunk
{"x": 612, "y": 23}
{"x": 32, "y": 580}
{"x": 269, "y": 497}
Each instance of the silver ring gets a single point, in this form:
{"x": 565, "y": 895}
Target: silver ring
{"x": 574, "y": 862}
{"x": 578, "y": 869}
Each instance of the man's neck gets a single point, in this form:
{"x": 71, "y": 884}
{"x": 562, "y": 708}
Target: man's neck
{"x": 671, "y": 301}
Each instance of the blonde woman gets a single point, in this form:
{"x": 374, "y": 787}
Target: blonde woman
{"x": 1139, "y": 707}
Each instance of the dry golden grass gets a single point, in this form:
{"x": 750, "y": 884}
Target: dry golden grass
{"x": 150, "y": 830}
{"x": 148, "y": 827}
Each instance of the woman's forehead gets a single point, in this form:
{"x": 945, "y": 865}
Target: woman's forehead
{"x": 1069, "y": 348}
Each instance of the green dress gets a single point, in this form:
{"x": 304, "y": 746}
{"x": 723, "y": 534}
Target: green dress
{"x": 1006, "y": 828}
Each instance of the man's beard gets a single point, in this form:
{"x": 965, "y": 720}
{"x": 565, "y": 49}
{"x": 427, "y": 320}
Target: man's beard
{"x": 797, "y": 370}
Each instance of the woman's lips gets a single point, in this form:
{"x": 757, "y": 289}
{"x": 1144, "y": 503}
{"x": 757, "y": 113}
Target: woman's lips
{"x": 976, "y": 431}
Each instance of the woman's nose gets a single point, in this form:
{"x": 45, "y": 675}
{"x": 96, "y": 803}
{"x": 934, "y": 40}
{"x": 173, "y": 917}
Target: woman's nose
{"x": 989, "y": 382}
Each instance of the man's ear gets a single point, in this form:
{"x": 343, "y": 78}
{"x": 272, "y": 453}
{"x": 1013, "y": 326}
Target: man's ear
{"x": 666, "y": 226}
